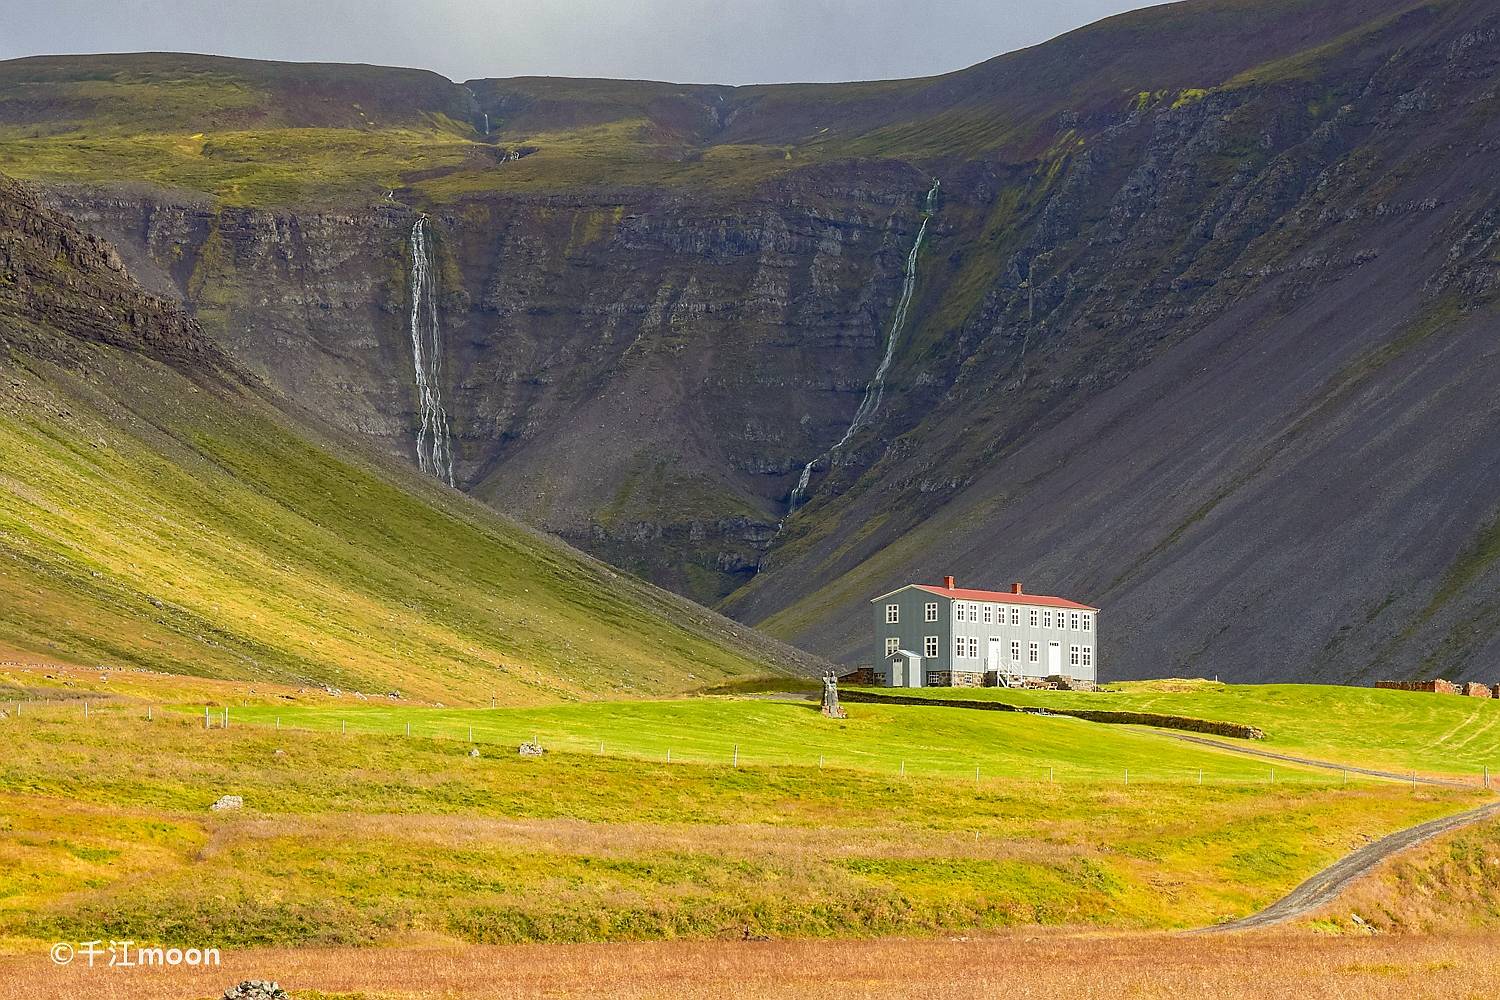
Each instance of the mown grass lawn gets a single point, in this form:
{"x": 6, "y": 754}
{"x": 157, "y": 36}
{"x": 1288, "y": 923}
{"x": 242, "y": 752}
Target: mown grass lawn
{"x": 1396, "y": 730}
{"x": 886, "y": 739}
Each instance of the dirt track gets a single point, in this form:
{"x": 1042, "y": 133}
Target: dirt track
{"x": 1327, "y": 765}
{"x": 1329, "y": 882}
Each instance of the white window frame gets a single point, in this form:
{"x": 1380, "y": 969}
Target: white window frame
{"x": 930, "y": 611}
{"x": 989, "y": 614}
{"x": 892, "y": 645}
{"x": 958, "y": 647}
{"x": 1088, "y": 622}
{"x": 1015, "y": 616}
{"x": 1088, "y": 656}
{"x": 973, "y": 612}
{"x": 1034, "y": 617}
{"x": 1046, "y": 619}
{"x": 1073, "y": 660}
{"x": 958, "y": 612}
{"x": 1073, "y": 620}
{"x": 1015, "y": 651}
{"x": 973, "y": 647}
{"x": 893, "y": 614}
{"x": 1033, "y": 653}
{"x": 930, "y": 646}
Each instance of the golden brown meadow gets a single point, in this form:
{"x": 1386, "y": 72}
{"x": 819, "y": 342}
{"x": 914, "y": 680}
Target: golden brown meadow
{"x": 1016, "y": 965}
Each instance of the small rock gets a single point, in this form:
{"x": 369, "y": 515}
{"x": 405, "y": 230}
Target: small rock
{"x": 278, "y": 753}
{"x": 474, "y": 752}
{"x": 531, "y": 750}
{"x": 256, "y": 989}
{"x": 228, "y": 802}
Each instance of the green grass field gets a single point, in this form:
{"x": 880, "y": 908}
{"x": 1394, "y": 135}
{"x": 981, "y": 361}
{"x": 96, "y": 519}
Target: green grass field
{"x": 876, "y": 738}
{"x": 369, "y": 837}
{"x": 1395, "y": 730}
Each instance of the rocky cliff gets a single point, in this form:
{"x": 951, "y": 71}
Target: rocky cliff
{"x": 1198, "y": 331}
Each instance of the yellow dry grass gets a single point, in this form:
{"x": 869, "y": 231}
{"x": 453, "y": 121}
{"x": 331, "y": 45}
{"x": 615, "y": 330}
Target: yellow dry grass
{"x": 1020, "y": 966}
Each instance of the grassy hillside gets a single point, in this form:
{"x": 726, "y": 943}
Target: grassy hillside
{"x": 259, "y": 133}
{"x": 1442, "y": 734}
{"x": 372, "y": 837}
{"x": 182, "y": 527}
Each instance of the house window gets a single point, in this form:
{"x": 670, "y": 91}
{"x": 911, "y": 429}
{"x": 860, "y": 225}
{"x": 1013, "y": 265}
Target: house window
{"x": 893, "y": 614}
{"x": 1031, "y": 654}
{"x": 973, "y": 612}
{"x": 892, "y": 646}
{"x": 1046, "y": 619}
{"x": 1072, "y": 619}
{"x": 1088, "y": 622}
{"x": 989, "y": 614}
{"x": 929, "y": 612}
{"x": 973, "y": 648}
{"x": 958, "y": 647}
{"x": 958, "y": 612}
{"x": 1073, "y": 655}
{"x": 1015, "y": 652}
{"x": 1033, "y": 617}
{"x": 930, "y": 646}
{"x": 1015, "y": 616}
{"x": 1088, "y": 656}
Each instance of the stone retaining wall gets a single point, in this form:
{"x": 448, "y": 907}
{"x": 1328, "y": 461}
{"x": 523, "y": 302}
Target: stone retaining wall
{"x": 1234, "y": 729}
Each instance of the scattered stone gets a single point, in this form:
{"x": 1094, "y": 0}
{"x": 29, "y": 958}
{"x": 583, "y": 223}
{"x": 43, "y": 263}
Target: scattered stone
{"x": 228, "y": 802}
{"x": 278, "y": 753}
{"x": 256, "y": 989}
{"x": 3, "y": 714}
{"x": 529, "y": 750}
{"x": 474, "y": 752}
{"x": 394, "y": 695}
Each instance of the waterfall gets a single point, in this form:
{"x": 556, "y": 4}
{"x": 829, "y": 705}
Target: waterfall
{"x": 875, "y": 390}
{"x": 434, "y": 448}
{"x": 486, "y": 123}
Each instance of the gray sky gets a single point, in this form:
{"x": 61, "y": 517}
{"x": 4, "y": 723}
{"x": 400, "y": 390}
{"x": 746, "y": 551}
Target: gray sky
{"x": 690, "y": 41}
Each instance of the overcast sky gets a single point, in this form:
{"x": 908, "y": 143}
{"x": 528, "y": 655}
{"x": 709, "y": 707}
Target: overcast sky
{"x": 690, "y": 41}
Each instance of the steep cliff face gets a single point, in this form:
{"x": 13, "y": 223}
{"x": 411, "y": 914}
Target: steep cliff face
{"x": 643, "y": 373}
{"x": 1197, "y": 331}
{"x": 54, "y": 274}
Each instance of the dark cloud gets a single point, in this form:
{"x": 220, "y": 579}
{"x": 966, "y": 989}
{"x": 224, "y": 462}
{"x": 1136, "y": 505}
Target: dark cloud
{"x": 729, "y": 41}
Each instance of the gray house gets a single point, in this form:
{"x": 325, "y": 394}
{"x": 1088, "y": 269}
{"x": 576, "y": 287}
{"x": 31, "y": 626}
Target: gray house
{"x": 950, "y": 636}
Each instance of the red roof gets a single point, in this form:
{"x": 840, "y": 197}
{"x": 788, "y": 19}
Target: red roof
{"x": 1003, "y": 597}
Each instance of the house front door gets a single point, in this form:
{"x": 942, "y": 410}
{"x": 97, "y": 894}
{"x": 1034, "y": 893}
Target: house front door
{"x": 992, "y": 655}
{"x": 1054, "y": 659}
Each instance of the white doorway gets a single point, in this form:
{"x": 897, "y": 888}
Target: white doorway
{"x": 1054, "y": 659}
{"x": 992, "y": 655}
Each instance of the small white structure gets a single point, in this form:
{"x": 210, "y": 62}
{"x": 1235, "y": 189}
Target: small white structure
{"x": 903, "y": 669}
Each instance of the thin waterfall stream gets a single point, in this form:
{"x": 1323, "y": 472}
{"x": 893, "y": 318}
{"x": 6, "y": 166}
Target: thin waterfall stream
{"x": 434, "y": 444}
{"x": 875, "y": 390}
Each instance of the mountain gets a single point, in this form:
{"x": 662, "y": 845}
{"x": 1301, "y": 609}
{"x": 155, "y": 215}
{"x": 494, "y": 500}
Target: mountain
{"x": 159, "y": 508}
{"x": 1196, "y": 333}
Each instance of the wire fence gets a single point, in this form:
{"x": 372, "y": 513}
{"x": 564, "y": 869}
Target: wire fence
{"x": 487, "y": 734}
